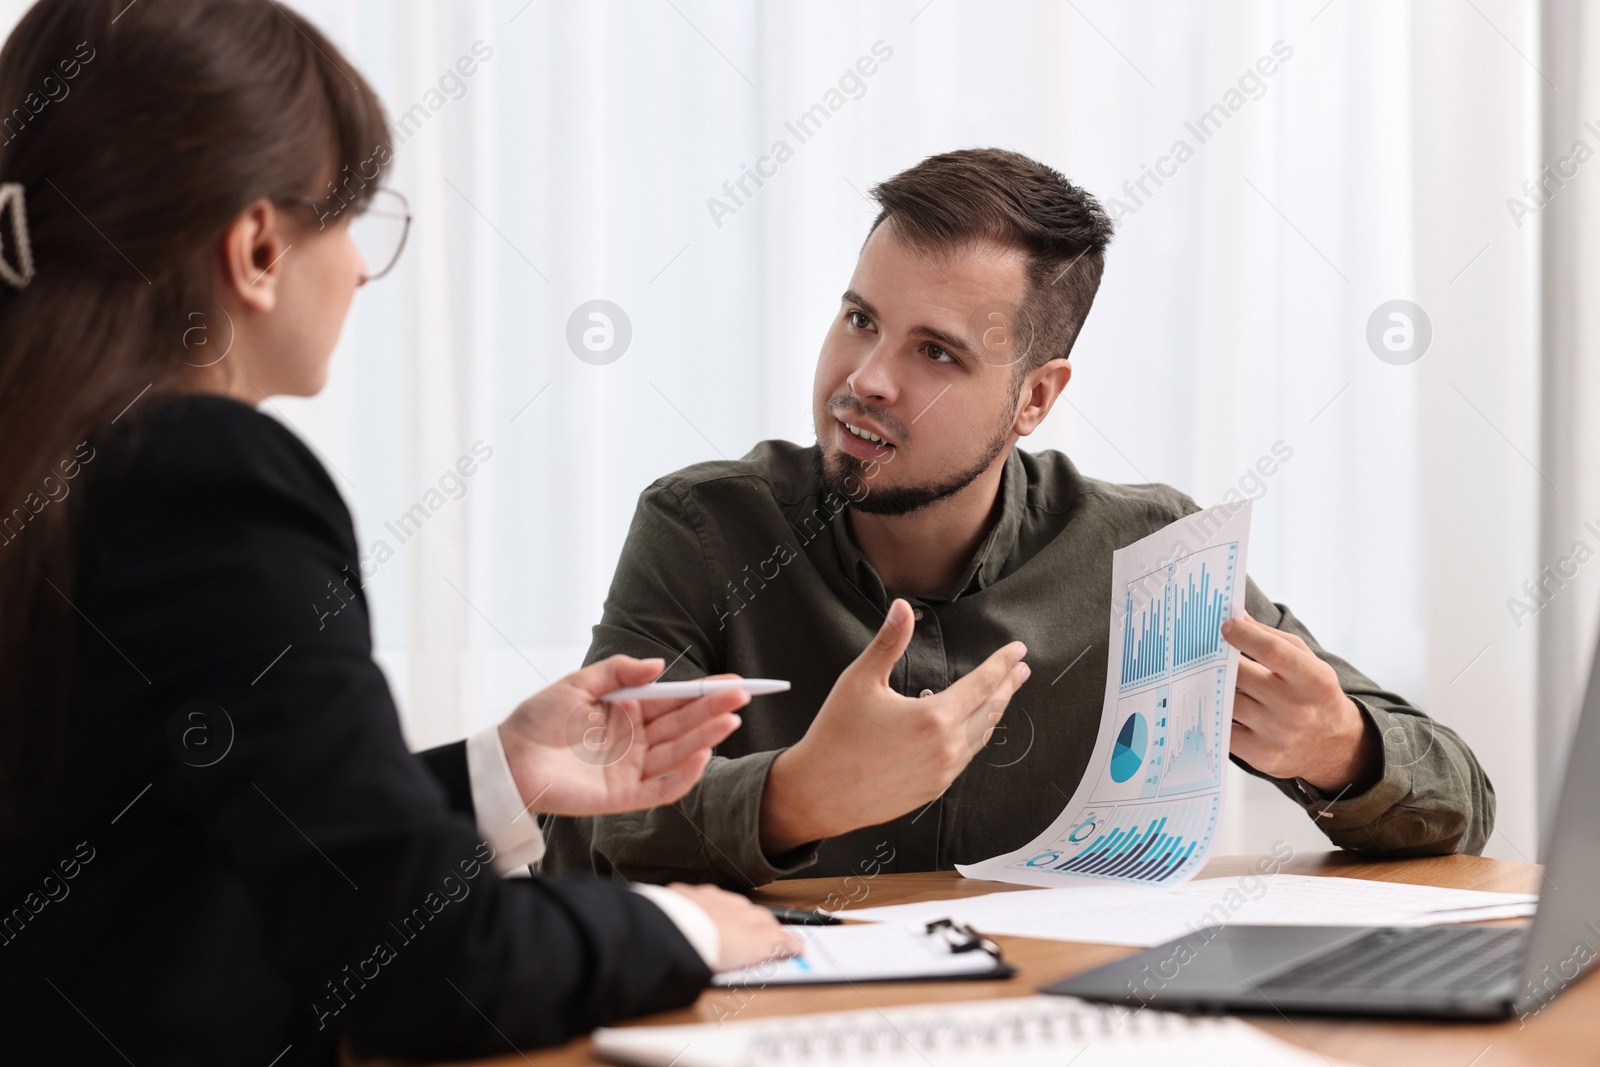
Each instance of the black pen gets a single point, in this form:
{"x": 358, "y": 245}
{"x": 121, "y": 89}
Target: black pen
{"x": 801, "y": 917}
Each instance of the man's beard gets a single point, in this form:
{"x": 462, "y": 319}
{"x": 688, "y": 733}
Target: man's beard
{"x": 837, "y": 470}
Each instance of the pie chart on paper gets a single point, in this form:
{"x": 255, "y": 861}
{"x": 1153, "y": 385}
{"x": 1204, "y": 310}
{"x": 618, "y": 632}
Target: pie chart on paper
{"x": 1127, "y": 755}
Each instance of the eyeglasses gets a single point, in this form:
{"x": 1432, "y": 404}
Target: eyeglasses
{"x": 379, "y": 229}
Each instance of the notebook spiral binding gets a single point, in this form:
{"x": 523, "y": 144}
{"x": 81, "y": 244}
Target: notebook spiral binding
{"x": 1018, "y": 1030}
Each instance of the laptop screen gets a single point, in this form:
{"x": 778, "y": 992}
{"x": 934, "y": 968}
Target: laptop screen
{"x": 1565, "y": 939}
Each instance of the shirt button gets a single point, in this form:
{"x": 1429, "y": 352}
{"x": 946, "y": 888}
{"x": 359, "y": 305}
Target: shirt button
{"x": 926, "y": 693}
{"x": 916, "y": 613}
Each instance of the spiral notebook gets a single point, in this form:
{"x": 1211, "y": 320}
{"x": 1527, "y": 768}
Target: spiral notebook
{"x": 1021, "y": 1031}
{"x": 878, "y": 953}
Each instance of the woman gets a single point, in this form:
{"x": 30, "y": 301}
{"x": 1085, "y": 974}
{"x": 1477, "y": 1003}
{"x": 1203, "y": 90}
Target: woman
{"x": 215, "y": 846}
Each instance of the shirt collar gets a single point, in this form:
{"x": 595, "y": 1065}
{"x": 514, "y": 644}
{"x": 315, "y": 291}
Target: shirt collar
{"x": 988, "y": 563}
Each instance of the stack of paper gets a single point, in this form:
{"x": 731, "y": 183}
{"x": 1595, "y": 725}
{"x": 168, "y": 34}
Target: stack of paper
{"x": 1122, "y": 915}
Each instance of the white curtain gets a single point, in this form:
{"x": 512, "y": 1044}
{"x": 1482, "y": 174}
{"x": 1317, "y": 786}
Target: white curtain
{"x": 1350, "y": 154}
{"x": 1342, "y": 154}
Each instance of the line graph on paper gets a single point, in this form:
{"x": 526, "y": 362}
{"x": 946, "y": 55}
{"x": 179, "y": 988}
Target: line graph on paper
{"x": 1194, "y": 731}
{"x": 1168, "y": 740}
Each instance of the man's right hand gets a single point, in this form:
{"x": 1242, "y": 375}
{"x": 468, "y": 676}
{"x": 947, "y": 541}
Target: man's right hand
{"x": 872, "y": 755}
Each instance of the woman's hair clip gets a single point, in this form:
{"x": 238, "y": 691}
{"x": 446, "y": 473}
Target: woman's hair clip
{"x": 21, "y": 274}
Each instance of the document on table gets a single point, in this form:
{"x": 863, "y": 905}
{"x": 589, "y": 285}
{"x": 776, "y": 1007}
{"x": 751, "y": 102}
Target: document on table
{"x": 1145, "y": 917}
{"x": 1148, "y": 806}
{"x": 1038, "y": 1031}
{"x": 860, "y": 953}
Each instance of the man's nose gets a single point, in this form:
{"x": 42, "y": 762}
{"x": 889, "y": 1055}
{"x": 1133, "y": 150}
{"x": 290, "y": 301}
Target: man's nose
{"x": 874, "y": 379}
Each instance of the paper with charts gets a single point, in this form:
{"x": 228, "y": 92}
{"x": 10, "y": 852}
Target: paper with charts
{"x": 1149, "y": 803}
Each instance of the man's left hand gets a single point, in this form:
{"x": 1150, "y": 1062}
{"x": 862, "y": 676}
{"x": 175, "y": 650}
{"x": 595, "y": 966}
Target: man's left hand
{"x": 1290, "y": 717}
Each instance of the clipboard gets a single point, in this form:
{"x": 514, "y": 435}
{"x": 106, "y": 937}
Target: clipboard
{"x": 943, "y": 950}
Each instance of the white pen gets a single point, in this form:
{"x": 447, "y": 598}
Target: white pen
{"x": 670, "y": 690}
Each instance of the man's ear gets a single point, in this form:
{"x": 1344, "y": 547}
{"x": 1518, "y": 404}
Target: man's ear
{"x": 1040, "y": 388}
{"x": 252, "y": 253}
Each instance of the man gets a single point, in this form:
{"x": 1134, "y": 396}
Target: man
{"x": 898, "y": 571}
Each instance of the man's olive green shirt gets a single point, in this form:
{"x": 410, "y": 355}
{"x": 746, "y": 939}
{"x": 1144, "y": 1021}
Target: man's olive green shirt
{"x": 749, "y": 567}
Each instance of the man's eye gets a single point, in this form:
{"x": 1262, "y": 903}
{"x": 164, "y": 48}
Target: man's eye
{"x": 859, "y": 320}
{"x": 938, "y": 355}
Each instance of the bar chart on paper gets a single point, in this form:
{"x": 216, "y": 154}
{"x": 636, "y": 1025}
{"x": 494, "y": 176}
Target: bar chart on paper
{"x": 1148, "y": 805}
{"x": 1172, "y": 617}
{"x": 1144, "y": 636}
{"x": 1201, "y": 591}
{"x": 1135, "y": 843}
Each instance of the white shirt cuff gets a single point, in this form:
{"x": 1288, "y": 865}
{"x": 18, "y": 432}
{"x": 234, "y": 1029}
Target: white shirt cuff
{"x": 503, "y": 820}
{"x": 690, "y": 919}
{"x": 513, "y": 832}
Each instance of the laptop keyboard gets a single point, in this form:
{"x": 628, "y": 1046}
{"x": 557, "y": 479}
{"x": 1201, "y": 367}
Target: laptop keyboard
{"x": 1457, "y": 961}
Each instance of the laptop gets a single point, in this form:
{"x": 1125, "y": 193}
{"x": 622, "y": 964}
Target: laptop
{"x": 1462, "y": 972}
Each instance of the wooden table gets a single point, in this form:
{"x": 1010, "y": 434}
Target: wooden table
{"x": 1567, "y": 1032}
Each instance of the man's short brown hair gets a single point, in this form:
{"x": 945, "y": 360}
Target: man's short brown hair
{"x": 956, "y": 199}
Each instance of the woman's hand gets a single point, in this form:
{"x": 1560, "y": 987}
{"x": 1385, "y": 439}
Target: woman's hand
{"x": 747, "y": 933}
{"x": 571, "y": 755}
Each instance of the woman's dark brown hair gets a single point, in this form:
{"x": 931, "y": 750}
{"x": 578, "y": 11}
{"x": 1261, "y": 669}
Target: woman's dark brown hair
{"x": 139, "y": 132}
